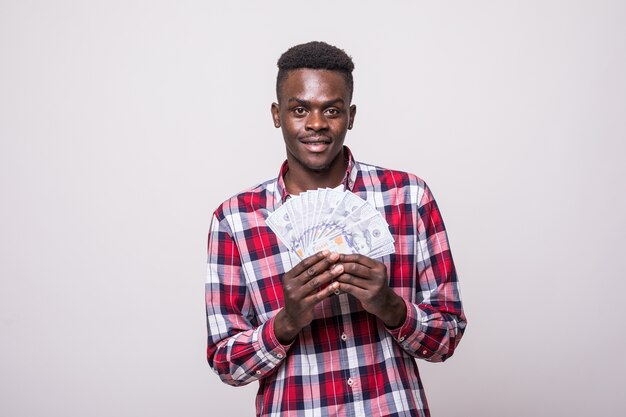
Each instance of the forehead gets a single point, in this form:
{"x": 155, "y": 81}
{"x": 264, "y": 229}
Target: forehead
{"x": 315, "y": 84}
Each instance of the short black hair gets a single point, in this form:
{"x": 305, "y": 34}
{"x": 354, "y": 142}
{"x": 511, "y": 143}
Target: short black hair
{"x": 315, "y": 55}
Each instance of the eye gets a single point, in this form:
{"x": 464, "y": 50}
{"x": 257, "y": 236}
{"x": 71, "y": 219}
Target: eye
{"x": 332, "y": 112}
{"x": 299, "y": 111}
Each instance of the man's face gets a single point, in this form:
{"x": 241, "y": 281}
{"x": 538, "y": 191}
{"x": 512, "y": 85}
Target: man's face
{"x": 314, "y": 113}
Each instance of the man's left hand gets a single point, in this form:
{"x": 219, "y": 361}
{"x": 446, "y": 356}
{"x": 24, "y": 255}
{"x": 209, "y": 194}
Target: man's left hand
{"x": 366, "y": 279}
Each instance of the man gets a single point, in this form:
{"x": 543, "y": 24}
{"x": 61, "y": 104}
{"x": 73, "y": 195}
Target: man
{"x": 333, "y": 334}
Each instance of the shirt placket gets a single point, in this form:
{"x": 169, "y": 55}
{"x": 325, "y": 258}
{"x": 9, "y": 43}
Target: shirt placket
{"x": 349, "y": 357}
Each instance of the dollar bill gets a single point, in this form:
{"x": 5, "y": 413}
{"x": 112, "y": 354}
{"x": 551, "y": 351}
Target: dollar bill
{"x": 329, "y": 219}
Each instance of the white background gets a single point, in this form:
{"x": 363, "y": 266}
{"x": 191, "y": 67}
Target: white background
{"x": 123, "y": 124}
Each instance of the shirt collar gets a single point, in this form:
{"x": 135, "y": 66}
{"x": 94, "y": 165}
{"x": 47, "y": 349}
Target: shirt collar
{"x": 349, "y": 177}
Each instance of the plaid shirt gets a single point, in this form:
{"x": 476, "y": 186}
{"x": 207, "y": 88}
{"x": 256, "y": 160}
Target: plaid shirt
{"x": 346, "y": 362}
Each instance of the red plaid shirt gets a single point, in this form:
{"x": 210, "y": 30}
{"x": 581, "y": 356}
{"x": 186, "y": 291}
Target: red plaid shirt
{"x": 346, "y": 362}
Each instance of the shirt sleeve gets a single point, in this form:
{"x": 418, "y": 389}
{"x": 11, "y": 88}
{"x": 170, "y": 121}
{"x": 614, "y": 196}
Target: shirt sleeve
{"x": 436, "y": 322}
{"x": 239, "y": 350}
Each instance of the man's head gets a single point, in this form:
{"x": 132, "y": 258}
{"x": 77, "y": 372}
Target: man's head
{"x": 315, "y": 55}
{"x": 314, "y": 111}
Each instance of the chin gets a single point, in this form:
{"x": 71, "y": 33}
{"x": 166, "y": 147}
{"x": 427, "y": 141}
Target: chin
{"x": 318, "y": 168}
{"x": 317, "y": 164}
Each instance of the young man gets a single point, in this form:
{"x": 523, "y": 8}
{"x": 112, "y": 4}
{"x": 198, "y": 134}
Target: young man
{"x": 333, "y": 334}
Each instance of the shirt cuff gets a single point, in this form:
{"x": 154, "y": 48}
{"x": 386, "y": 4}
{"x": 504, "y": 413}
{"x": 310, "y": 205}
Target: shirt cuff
{"x": 412, "y": 323}
{"x": 410, "y": 335}
{"x": 273, "y": 349}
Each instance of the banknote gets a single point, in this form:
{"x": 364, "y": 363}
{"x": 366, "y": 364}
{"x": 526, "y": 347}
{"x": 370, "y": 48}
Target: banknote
{"x": 329, "y": 219}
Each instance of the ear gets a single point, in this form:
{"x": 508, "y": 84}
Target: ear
{"x": 276, "y": 115}
{"x": 352, "y": 114}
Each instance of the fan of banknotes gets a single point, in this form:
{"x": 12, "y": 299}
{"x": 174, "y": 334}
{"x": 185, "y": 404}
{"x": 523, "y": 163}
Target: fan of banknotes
{"x": 338, "y": 221}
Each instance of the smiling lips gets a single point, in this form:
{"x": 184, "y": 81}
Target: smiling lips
{"x": 316, "y": 144}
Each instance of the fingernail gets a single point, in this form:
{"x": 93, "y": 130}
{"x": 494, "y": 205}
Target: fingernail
{"x": 336, "y": 288}
{"x": 325, "y": 252}
{"x": 337, "y": 268}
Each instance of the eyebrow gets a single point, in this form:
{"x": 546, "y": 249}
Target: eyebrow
{"x": 324, "y": 104}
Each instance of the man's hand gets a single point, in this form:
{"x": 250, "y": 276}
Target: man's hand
{"x": 366, "y": 279}
{"x": 301, "y": 289}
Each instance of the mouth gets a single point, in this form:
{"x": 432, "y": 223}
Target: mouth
{"x": 316, "y": 144}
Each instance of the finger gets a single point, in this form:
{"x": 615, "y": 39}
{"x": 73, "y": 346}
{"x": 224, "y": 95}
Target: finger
{"x": 327, "y": 276}
{"x": 318, "y": 268}
{"x": 353, "y": 280}
{"x": 360, "y": 259}
{"x": 306, "y": 263}
{"x": 357, "y": 292}
{"x": 357, "y": 270}
{"x": 323, "y": 294}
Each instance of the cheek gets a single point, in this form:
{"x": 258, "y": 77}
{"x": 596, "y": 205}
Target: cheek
{"x": 287, "y": 131}
{"x": 290, "y": 128}
{"x": 341, "y": 125}
{"x": 290, "y": 135}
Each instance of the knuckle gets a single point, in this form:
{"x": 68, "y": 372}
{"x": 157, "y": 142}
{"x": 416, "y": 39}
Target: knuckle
{"x": 311, "y": 271}
{"x": 314, "y": 283}
{"x": 325, "y": 277}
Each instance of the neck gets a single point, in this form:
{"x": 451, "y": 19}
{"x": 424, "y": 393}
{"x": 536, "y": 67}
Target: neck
{"x": 299, "y": 178}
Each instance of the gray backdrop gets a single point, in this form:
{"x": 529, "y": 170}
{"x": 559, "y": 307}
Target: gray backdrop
{"x": 124, "y": 124}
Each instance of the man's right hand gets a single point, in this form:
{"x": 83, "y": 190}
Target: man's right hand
{"x": 301, "y": 289}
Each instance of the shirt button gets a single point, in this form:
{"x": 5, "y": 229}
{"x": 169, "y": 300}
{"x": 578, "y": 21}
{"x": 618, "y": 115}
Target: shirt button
{"x": 401, "y": 339}
{"x": 350, "y": 381}
{"x": 344, "y": 337}
{"x": 279, "y": 356}
{"x": 425, "y": 352}
{"x": 258, "y": 372}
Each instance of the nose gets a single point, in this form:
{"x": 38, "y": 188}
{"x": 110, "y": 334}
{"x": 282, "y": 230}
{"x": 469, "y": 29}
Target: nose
{"x": 316, "y": 121}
